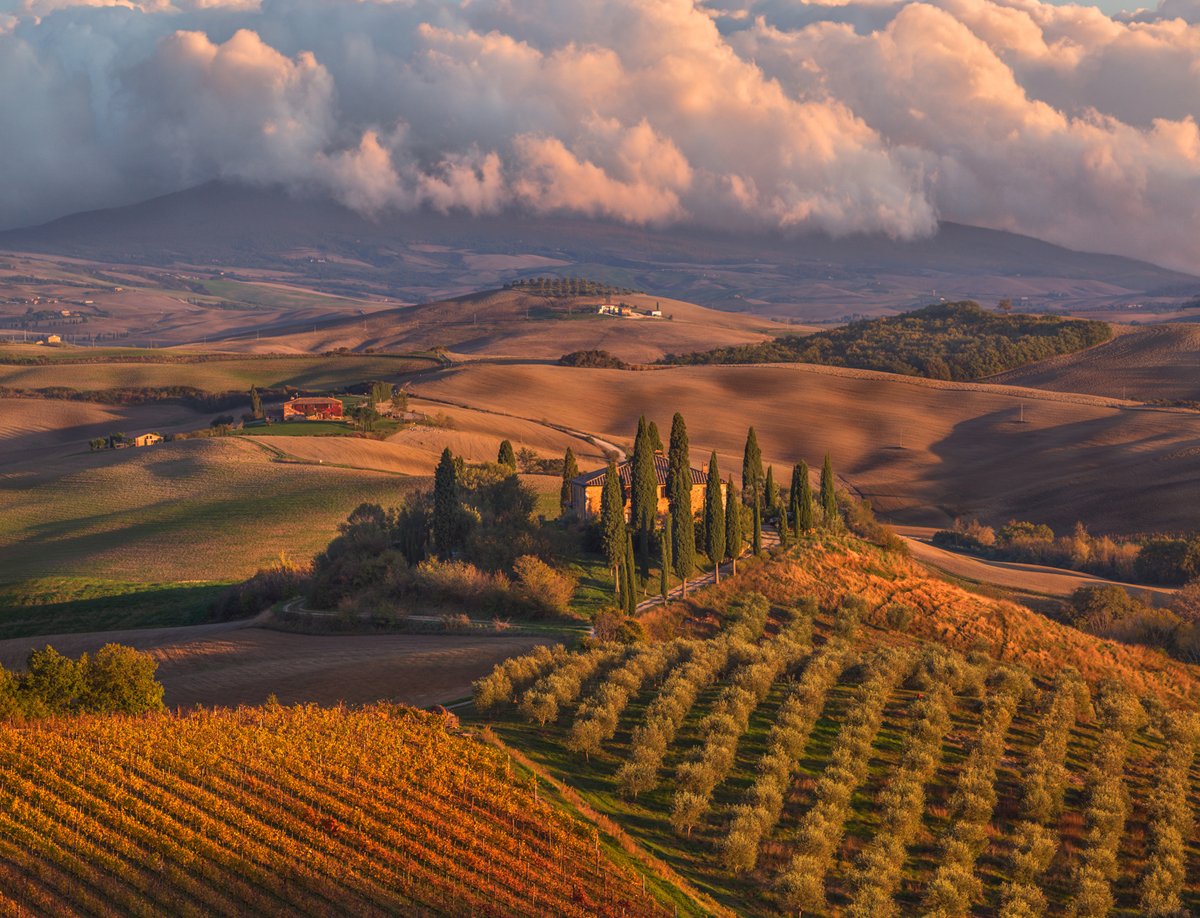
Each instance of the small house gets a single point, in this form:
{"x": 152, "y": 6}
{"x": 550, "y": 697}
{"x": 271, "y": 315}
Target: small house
{"x": 586, "y": 489}
{"x": 54, "y": 339}
{"x": 313, "y": 409}
{"x": 147, "y": 439}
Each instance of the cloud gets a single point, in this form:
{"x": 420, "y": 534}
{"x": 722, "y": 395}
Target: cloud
{"x": 843, "y": 117}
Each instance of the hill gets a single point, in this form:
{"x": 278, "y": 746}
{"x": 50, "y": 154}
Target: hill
{"x": 1150, "y": 363}
{"x": 958, "y": 341}
{"x": 288, "y": 810}
{"x": 323, "y": 247}
{"x": 922, "y": 451}
{"x": 833, "y": 735}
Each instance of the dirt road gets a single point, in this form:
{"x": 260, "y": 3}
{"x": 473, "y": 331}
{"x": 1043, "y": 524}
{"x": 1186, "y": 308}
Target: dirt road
{"x": 1029, "y": 578}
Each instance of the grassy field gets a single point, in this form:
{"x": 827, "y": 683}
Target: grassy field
{"x": 212, "y": 509}
{"x": 275, "y": 297}
{"x": 57, "y": 605}
{"x": 301, "y": 429}
{"x": 943, "y": 615}
{"x": 215, "y": 375}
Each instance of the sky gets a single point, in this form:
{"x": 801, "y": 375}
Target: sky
{"x": 842, "y": 116}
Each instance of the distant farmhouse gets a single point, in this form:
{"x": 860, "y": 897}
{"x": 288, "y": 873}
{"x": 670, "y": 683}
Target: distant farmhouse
{"x": 586, "y": 489}
{"x": 147, "y": 439}
{"x": 313, "y": 409}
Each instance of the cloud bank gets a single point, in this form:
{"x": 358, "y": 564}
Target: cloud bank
{"x": 842, "y": 117}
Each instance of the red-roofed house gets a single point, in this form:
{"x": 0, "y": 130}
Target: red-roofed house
{"x": 587, "y": 488}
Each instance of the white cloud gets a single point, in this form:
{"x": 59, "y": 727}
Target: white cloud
{"x": 857, "y": 115}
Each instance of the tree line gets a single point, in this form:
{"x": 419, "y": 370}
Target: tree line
{"x": 115, "y": 679}
{"x": 953, "y": 341}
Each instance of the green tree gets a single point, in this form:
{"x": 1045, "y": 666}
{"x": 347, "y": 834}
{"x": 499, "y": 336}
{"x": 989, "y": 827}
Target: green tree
{"x": 445, "y": 503}
{"x": 570, "y": 473}
{"x": 643, "y": 492}
{"x": 756, "y": 509}
{"x": 52, "y": 682}
{"x": 506, "y": 456}
{"x": 631, "y": 577}
{"x": 256, "y": 405}
{"x": 612, "y": 520}
{"x": 664, "y": 575}
{"x": 381, "y": 393}
{"x": 10, "y": 695}
{"x": 734, "y": 539}
{"x": 785, "y": 529}
{"x": 121, "y": 680}
{"x": 655, "y": 437}
{"x": 828, "y": 493}
{"x": 714, "y": 517}
{"x": 679, "y": 485}
{"x": 803, "y": 511}
{"x": 399, "y": 402}
{"x": 770, "y": 490}
{"x": 752, "y": 470}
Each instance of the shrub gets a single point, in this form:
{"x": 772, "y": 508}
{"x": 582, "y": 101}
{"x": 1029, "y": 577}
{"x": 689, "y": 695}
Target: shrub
{"x": 545, "y": 589}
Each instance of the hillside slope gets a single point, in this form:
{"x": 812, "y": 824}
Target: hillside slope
{"x": 287, "y": 811}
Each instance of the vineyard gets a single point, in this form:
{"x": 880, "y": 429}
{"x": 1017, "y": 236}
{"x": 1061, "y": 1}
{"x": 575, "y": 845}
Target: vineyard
{"x": 805, "y": 758}
{"x": 276, "y": 810}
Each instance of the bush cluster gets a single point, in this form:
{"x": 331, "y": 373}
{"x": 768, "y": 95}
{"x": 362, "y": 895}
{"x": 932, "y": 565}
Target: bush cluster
{"x": 801, "y": 885}
{"x": 563, "y": 684}
{"x": 597, "y": 718}
{"x": 958, "y": 341}
{"x": 877, "y": 872}
{"x": 722, "y": 728}
{"x": 1170, "y": 817}
{"x": 115, "y": 679}
{"x": 757, "y": 816}
{"x": 1120, "y": 716}
{"x": 501, "y": 684}
{"x": 666, "y": 713}
{"x": 595, "y": 360}
{"x": 956, "y": 884}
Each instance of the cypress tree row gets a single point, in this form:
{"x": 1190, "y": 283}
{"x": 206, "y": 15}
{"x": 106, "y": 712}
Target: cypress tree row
{"x": 752, "y": 470}
{"x": 770, "y": 489}
{"x": 445, "y": 503}
{"x": 679, "y": 492}
{"x": 612, "y": 521}
{"x": 828, "y": 494}
{"x": 714, "y": 517}
{"x": 506, "y": 456}
{"x": 643, "y": 492}
{"x": 664, "y": 575}
{"x": 804, "y": 503}
{"x": 655, "y": 438}
{"x": 734, "y": 539}
{"x": 570, "y": 472}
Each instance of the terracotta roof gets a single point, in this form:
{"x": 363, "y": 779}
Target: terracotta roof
{"x": 315, "y": 400}
{"x": 625, "y": 470}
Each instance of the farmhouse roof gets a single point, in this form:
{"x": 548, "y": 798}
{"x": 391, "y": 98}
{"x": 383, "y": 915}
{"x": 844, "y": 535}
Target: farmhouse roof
{"x": 315, "y": 400}
{"x": 625, "y": 470}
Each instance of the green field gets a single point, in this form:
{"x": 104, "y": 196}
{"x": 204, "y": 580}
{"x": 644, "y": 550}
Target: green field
{"x": 276, "y": 298}
{"x": 218, "y": 375}
{"x": 212, "y": 509}
{"x": 57, "y": 605}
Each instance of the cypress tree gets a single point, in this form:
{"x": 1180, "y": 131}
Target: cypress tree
{"x": 445, "y": 503}
{"x": 664, "y": 576}
{"x": 506, "y": 456}
{"x": 256, "y": 407}
{"x": 612, "y": 520}
{"x": 785, "y": 531}
{"x": 631, "y": 577}
{"x": 794, "y": 498}
{"x": 828, "y": 495}
{"x": 733, "y": 524}
{"x": 643, "y": 493}
{"x": 679, "y": 485}
{"x": 752, "y": 470}
{"x": 770, "y": 490}
{"x": 570, "y": 471}
{"x": 804, "y": 503}
{"x": 655, "y": 438}
{"x": 714, "y": 517}
{"x": 757, "y": 509}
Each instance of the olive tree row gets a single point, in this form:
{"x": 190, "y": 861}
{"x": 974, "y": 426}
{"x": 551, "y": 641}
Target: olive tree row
{"x": 801, "y": 884}
{"x": 901, "y": 803}
{"x": 501, "y": 684}
{"x": 597, "y": 718}
{"x": 722, "y": 728}
{"x": 756, "y": 818}
{"x": 666, "y": 713}
{"x": 956, "y": 884}
{"x": 1043, "y": 786}
{"x": 562, "y": 685}
{"x": 1170, "y": 817}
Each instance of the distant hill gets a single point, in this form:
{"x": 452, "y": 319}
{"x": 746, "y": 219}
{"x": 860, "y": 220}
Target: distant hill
{"x": 423, "y": 257}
